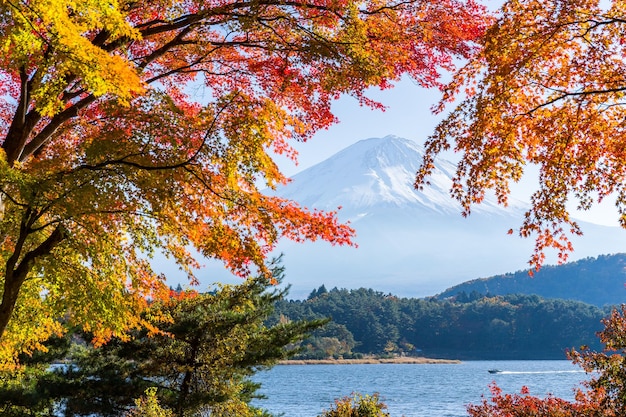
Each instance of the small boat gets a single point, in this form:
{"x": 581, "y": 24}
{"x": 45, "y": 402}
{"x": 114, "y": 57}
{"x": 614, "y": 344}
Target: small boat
{"x": 494, "y": 371}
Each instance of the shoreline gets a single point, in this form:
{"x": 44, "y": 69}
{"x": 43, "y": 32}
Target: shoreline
{"x": 367, "y": 361}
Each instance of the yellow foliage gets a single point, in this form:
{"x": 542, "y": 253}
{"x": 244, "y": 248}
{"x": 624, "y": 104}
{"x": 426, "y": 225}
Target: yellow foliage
{"x": 148, "y": 406}
{"x": 59, "y": 27}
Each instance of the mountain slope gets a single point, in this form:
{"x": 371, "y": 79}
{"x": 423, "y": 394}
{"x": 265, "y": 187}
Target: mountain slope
{"x": 599, "y": 281}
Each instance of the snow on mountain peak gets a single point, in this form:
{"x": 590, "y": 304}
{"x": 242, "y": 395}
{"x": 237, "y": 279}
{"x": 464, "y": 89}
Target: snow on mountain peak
{"x": 376, "y": 172}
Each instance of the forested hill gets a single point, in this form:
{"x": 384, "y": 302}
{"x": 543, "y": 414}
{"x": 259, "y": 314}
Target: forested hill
{"x": 599, "y": 281}
{"x": 365, "y": 321}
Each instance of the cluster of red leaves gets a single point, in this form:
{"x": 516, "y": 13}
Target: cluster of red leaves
{"x": 525, "y": 405}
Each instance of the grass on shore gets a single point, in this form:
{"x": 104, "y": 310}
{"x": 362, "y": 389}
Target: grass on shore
{"x": 369, "y": 360}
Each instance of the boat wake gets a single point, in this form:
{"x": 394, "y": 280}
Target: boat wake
{"x": 541, "y": 372}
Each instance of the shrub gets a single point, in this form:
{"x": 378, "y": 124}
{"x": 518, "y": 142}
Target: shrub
{"x": 148, "y": 406}
{"x": 358, "y": 406}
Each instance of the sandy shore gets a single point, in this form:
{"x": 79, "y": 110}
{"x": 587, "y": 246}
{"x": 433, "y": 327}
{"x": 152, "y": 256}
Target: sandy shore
{"x": 402, "y": 360}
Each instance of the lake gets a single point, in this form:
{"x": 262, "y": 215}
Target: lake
{"x": 425, "y": 390}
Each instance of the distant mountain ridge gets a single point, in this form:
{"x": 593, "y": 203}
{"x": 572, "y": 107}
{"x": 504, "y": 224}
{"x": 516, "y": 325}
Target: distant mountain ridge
{"x": 599, "y": 281}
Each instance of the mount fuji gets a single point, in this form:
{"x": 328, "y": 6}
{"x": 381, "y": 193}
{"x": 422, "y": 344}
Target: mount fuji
{"x": 375, "y": 175}
{"x": 410, "y": 243}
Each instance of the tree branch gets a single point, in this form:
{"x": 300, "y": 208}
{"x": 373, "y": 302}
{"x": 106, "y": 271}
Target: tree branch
{"x": 45, "y": 248}
{"x": 46, "y": 133}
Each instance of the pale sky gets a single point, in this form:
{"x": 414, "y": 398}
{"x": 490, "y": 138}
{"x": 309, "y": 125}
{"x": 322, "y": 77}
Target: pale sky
{"x": 408, "y": 115}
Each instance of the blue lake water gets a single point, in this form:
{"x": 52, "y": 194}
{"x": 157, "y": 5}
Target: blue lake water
{"x": 429, "y": 390}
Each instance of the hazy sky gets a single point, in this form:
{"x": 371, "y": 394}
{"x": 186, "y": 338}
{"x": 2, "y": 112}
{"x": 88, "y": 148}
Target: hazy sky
{"x": 408, "y": 115}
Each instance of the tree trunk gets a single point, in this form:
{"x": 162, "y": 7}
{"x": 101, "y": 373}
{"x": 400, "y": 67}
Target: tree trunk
{"x": 16, "y": 273}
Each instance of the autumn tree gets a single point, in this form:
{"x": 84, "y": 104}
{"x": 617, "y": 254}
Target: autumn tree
{"x": 546, "y": 89}
{"x": 608, "y": 366}
{"x": 26, "y": 391}
{"x": 135, "y": 127}
{"x": 148, "y": 406}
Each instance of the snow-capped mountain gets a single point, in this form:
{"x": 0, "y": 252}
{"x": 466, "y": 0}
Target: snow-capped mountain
{"x": 410, "y": 243}
{"x": 376, "y": 174}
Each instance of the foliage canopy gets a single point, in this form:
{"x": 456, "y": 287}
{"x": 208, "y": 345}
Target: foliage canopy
{"x": 546, "y": 89}
{"x": 467, "y": 326}
{"x": 134, "y": 127}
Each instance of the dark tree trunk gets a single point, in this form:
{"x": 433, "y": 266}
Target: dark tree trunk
{"x": 16, "y": 273}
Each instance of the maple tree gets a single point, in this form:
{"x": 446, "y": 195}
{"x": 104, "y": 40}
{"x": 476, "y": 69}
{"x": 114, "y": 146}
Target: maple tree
{"x": 546, "y": 90}
{"x": 608, "y": 367}
{"x": 133, "y": 127}
{"x": 526, "y": 405}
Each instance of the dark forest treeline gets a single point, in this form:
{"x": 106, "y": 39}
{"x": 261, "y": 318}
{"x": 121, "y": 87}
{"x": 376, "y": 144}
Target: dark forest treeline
{"x": 471, "y": 326}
